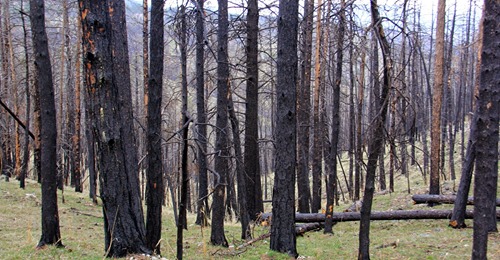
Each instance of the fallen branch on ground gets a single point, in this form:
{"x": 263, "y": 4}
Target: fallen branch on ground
{"x": 445, "y": 199}
{"x": 375, "y": 215}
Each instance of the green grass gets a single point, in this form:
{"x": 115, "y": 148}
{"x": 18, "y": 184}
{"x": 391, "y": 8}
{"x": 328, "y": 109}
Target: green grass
{"x": 83, "y": 237}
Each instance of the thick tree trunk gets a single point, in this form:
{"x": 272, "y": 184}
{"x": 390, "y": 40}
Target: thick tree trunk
{"x": 487, "y": 121}
{"x": 106, "y": 54}
{"x": 155, "y": 187}
{"x": 283, "y": 230}
{"x": 48, "y": 132}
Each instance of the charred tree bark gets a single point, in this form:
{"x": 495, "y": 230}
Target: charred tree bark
{"x": 217, "y": 236}
{"x": 377, "y": 141}
{"x": 48, "y": 131}
{"x": 24, "y": 166}
{"x": 304, "y": 110}
{"x": 375, "y": 215}
{"x": 487, "y": 121}
{"x": 155, "y": 187}
{"x": 251, "y": 159}
{"x": 240, "y": 172}
{"x": 283, "y": 237}
{"x": 202, "y": 203}
{"x": 332, "y": 177}
{"x": 183, "y": 201}
{"x": 78, "y": 114}
{"x": 105, "y": 55}
{"x": 447, "y": 199}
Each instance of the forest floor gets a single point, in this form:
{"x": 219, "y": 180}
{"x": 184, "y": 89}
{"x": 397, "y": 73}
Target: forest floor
{"x": 82, "y": 231}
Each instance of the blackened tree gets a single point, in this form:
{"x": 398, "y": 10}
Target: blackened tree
{"x": 154, "y": 187}
{"x": 283, "y": 226}
{"x": 217, "y": 236}
{"x": 378, "y": 137}
{"x": 488, "y": 114}
{"x": 252, "y": 169}
{"x": 48, "y": 132}
{"x": 107, "y": 81}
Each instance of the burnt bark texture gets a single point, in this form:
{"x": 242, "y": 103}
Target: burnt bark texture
{"x": 106, "y": 57}
{"x": 240, "y": 172}
{"x": 252, "y": 169}
{"x": 155, "y": 186}
{"x": 304, "y": 109}
{"x": 487, "y": 121}
{"x": 51, "y": 234}
{"x": 217, "y": 236}
{"x": 183, "y": 202}
{"x": 283, "y": 237}
{"x": 377, "y": 140}
{"x": 376, "y": 215}
{"x": 202, "y": 204}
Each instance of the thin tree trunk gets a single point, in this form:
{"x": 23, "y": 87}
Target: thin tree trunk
{"x": 251, "y": 156}
{"x": 240, "y": 172}
{"x": 77, "y": 124}
{"x": 359, "y": 130}
{"x": 332, "y": 177}
{"x": 304, "y": 110}
{"x": 24, "y": 168}
{"x": 437, "y": 100}
{"x": 377, "y": 141}
{"x": 317, "y": 143}
{"x": 202, "y": 203}
{"x": 217, "y": 236}
{"x": 449, "y": 101}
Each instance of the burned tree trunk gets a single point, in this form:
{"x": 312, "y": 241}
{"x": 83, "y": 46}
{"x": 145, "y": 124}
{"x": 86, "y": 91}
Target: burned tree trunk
{"x": 283, "y": 230}
{"x": 375, "y": 215}
{"x": 48, "y": 131}
{"x": 487, "y": 123}
{"x": 106, "y": 55}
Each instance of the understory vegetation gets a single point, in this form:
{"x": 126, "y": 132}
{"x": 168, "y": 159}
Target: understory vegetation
{"x": 82, "y": 231}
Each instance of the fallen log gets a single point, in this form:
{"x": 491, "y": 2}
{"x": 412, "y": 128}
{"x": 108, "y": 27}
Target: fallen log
{"x": 303, "y": 228}
{"x": 444, "y": 199}
{"x": 375, "y": 215}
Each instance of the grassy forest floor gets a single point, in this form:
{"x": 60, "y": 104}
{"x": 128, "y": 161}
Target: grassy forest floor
{"x": 83, "y": 236}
